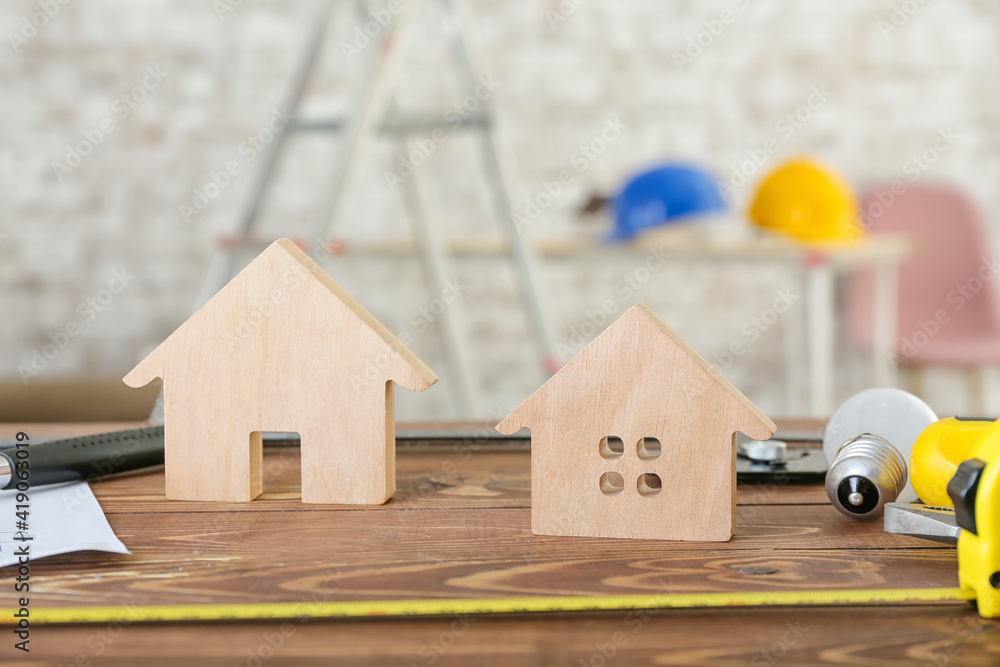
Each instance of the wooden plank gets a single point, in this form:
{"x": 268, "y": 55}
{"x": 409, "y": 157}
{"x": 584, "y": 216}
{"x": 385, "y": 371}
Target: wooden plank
{"x": 287, "y": 556}
{"x": 680, "y": 246}
{"x": 876, "y": 637}
{"x": 458, "y": 475}
{"x": 459, "y": 527}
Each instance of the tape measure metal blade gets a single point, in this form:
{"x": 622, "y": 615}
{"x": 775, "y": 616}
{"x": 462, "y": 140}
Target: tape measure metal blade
{"x": 530, "y": 605}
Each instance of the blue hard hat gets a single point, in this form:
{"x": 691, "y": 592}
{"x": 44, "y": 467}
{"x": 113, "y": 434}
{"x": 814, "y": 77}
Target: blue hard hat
{"x": 664, "y": 194}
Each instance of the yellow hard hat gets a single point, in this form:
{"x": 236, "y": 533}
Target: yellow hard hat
{"x": 807, "y": 202}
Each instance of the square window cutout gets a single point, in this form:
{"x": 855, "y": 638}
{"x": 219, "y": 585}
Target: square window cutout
{"x": 612, "y": 483}
{"x": 612, "y": 447}
{"x": 649, "y": 484}
{"x": 648, "y": 449}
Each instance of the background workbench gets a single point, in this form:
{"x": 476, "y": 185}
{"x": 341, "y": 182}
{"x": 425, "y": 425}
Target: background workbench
{"x": 459, "y": 526}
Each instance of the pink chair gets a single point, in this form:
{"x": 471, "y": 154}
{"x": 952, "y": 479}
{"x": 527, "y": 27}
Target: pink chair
{"x": 948, "y": 312}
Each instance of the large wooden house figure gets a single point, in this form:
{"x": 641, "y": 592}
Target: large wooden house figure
{"x": 281, "y": 347}
{"x": 635, "y": 438}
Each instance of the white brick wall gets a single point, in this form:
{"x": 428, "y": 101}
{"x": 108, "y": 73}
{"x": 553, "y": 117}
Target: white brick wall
{"x": 119, "y": 207}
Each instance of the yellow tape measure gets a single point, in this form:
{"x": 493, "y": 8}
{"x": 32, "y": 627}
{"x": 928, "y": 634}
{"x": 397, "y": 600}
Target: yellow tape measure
{"x": 126, "y": 614}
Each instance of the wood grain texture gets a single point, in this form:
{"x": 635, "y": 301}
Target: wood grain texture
{"x": 459, "y": 526}
{"x": 428, "y": 476}
{"x": 445, "y": 535}
{"x": 871, "y": 637}
{"x": 673, "y": 474}
{"x": 281, "y": 348}
{"x": 410, "y": 557}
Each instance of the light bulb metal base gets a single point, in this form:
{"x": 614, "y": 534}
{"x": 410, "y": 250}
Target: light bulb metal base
{"x": 867, "y": 473}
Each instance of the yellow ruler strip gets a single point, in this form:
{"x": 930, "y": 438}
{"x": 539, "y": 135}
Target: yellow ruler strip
{"x": 127, "y": 614}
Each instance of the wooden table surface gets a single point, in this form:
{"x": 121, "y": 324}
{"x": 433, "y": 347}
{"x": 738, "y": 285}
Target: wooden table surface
{"x": 459, "y": 526}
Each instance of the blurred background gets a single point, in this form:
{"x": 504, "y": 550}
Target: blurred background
{"x": 806, "y": 192}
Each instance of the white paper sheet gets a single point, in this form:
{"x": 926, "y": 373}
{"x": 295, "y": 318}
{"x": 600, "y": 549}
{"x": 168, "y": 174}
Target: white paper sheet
{"x": 61, "y": 518}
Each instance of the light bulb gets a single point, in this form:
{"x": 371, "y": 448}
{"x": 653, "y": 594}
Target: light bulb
{"x": 867, "y": 446}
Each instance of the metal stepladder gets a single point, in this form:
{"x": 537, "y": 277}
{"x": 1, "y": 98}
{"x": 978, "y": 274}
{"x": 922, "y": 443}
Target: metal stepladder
{"x": 372, "y": 116}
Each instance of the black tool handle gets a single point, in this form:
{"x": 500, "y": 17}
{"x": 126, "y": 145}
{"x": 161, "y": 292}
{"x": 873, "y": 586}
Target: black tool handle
{"x": 90, "y": 457}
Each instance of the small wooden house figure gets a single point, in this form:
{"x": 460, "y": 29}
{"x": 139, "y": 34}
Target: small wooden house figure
{"x": 635, "y": 437}
{"x": 281, "y": 347}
